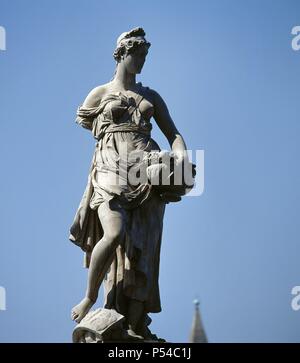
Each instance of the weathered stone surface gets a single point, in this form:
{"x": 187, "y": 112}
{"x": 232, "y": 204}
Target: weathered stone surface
{"x": 119, "y": 221}
{"x": 97, "y": 326}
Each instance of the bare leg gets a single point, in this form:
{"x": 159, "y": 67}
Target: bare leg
{"x": 112, "y": 221}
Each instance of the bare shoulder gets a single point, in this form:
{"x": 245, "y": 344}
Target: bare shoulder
{"x": 156, "y": 98}
{"x": 93, "y": 99}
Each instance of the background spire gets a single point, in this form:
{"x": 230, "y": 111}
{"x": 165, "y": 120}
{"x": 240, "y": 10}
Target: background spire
{"x": 197, "y": 332}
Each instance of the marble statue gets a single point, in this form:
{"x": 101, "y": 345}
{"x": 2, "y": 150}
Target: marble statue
{"x": 119, "y": 224}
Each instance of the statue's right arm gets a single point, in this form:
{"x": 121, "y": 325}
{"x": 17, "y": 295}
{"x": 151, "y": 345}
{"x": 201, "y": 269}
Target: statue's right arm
{"x": 93, "y": 99}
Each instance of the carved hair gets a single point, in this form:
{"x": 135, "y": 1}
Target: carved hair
{"x": 129, "y": 41}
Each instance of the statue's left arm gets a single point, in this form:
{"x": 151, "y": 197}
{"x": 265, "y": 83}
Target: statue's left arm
{"x": 167, "y": 126}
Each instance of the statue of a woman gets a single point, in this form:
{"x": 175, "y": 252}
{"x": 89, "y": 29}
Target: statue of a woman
{"x": 119, "y": 225}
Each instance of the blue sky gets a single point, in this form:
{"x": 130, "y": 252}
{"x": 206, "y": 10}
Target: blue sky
{"x": 230, "y": 78}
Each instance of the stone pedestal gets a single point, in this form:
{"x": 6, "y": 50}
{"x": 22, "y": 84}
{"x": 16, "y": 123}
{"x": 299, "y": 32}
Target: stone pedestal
{"x": 106, "y": 326}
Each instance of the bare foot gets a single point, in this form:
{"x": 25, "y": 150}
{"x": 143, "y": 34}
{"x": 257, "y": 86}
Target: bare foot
{"x": 133, "y": 336}
{"x": 79, "y": 311}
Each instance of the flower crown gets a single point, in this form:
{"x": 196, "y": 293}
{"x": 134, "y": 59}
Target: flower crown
{"x": 129, "y": 41}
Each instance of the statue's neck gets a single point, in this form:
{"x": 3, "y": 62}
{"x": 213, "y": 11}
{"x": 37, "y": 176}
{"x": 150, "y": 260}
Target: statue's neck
{"x": 125, "y": 79}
